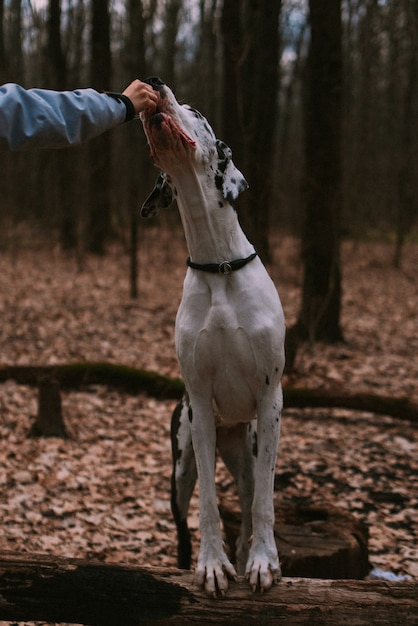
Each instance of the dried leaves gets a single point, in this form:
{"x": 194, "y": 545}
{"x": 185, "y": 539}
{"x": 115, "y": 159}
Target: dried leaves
{"x": 105, "y": 492}
{"x": 361, "y": 464}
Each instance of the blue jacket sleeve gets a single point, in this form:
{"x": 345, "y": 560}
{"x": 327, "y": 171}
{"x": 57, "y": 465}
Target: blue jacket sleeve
{"x": 40, "y": 118}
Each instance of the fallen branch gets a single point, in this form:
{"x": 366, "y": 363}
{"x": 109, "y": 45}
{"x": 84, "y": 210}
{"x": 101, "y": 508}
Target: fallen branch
{"x": 401, "y": 408}
{"x": 133, "y": 380}
{"x": 76, "y": 375}
{"x": 37, "y": 587}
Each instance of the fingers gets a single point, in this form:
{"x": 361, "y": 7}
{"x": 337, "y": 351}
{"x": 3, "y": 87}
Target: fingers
{"x": 142, "y": 96}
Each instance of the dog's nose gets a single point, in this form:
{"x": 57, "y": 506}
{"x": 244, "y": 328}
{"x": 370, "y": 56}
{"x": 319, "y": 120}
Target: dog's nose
{"x": 156, "y": 83}
{"x": 156, "y": 120}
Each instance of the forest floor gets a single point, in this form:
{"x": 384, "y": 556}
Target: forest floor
{"x": 105, "y": 492}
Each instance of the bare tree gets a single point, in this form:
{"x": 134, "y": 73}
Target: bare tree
{"x": 251, "y": 59}
{"x": 15, "y": 57}
{"x": 138, "y": 161}
{"x": 232, "y": 51}
{"x": 172, "y": 10}
{"x": 99, "y": 228}
{"x": 2, "y": 45}
{"x": 56, "y": 56}
{"x": 407, "y": 174}
{"x": 319, "y": 316}
{"x": 63, "y": 162}
{"x": 207, "y": 60}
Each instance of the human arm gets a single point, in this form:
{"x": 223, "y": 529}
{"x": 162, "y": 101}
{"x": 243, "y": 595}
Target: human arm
{"x": 41, "y": 118}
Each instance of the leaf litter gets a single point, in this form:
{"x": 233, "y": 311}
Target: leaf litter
{"x": 105, "y": 492}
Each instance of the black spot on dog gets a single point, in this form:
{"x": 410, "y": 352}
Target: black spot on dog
{"x": 223, "y": 158}
{"x": 222, "y": 163}
{"x": 267, "y": 380}
{"x": 220, "y": 204}
{"x": 195, "y": 112}
{"x": 190, "y": 413}
{"x": 219, "y": 179}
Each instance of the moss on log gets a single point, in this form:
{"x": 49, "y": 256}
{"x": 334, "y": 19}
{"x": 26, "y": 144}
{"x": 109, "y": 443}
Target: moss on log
{"x": 401, "y": 408}
{"x": 134, "y": 380}
{"x": 76, "y": 375}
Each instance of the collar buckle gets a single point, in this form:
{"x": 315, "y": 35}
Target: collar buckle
{"x": 225, "y": 268}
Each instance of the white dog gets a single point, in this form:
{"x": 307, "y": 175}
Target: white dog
{"x": 230, "y": 345}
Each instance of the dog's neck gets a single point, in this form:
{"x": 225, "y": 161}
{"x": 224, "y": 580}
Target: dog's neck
{"x": 211, "y": 227}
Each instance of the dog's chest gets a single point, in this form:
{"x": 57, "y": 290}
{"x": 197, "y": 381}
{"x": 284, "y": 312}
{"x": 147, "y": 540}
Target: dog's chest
{"x": 226, "y": 332}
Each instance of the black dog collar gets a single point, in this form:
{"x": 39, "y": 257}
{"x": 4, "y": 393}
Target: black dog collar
{"x": 225, "y": 268}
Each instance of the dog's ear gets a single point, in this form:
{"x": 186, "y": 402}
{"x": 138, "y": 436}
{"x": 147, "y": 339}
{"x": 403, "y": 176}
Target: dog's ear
{"x": 160, "y": 198}
{"x": 228, "y": 178}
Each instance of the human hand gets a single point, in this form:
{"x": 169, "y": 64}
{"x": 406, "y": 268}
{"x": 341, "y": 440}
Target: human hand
{"x": 142, "y": 96}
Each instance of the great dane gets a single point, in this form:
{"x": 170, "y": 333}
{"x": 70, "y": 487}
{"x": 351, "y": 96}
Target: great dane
{"x": 229, "y": 336}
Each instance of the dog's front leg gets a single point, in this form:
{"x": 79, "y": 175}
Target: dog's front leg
{"x": 213, "y": 566}
{"x": 263, "y": 568}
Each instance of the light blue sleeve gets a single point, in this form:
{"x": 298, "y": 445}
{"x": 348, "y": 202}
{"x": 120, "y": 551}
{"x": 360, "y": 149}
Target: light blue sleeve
{"x": 40, "y": 118}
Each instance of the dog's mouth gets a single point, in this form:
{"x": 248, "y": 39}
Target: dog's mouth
{"x": 163, "y": 131}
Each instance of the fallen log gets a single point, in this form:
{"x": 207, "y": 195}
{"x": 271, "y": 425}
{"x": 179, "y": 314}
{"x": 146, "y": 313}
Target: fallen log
{"x": 401, "y": 408}
{"x": 52, "y": 589}
{"x": 133, "y": 380}
{"x": 76, "y": 375}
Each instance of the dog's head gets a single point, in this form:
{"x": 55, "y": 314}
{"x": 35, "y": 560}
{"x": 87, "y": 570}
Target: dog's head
{"x": 181, "y": 139}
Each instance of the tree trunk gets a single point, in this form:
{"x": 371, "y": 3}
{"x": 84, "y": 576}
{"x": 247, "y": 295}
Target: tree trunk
{"x": 63, "y": 161}
{"x": 35, "y": 587}
{"x": 2, "y": 45}
{"x": 171, "y": 25}
{"x": 16, "y": 70}
{"x": 49, "y": 420}
{"x": 319, "y": 317}
{"x": 231, "y": 51}
{"x": 407, "y": 194}
{"x": 56, "y": 56}
{"x": 207, "y": 59}
{"x": 259, "y": 93}
{"x": 99, "y": 229}
{"x": 251, "y": 48}
{"x": 137, "y": 158}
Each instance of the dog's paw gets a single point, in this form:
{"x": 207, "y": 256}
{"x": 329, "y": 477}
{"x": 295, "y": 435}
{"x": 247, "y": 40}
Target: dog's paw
{"x": 212, "y": 574}
{"x": 263, "y": 568}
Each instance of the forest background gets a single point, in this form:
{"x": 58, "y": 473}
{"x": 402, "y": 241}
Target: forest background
{"x": 244, "y": 65}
